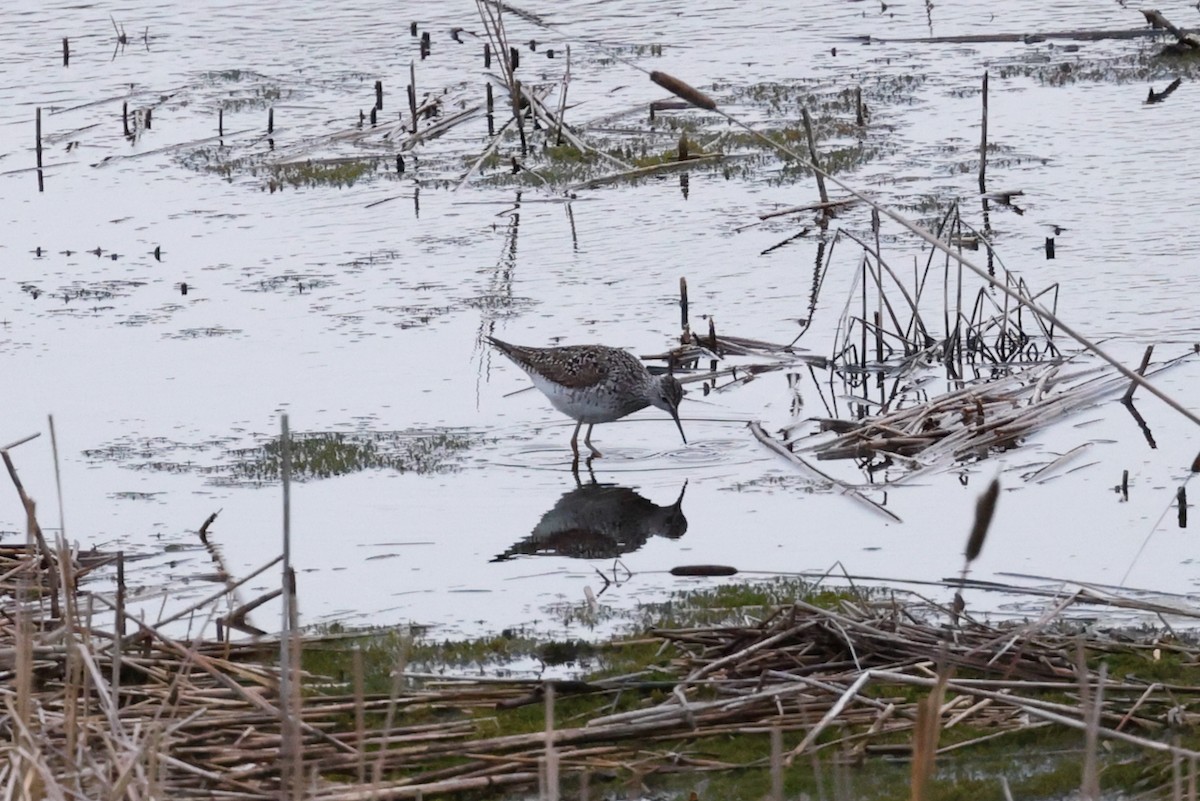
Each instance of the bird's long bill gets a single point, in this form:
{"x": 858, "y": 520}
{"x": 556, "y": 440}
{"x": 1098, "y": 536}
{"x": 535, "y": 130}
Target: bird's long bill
{"x": 675, "y": 415}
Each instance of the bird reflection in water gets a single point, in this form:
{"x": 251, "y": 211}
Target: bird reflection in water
{"x": 600, "y": 521}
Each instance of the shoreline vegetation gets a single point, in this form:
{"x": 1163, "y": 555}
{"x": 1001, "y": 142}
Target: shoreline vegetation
{"x": 749, "y": 690}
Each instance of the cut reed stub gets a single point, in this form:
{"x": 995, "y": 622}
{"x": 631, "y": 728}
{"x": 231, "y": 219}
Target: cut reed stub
{"x": 985, "y": 507}
{"x": 681, "y": 89}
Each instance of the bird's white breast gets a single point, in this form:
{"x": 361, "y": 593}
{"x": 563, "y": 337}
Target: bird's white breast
{"x": 595, "y": 404}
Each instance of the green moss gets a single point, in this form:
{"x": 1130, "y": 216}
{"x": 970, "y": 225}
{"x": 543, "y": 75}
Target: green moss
{"x": 567, "y": 154}
{"x": 333, "y": 659}
{"x": 1142, "y": 664}
{"x": 1058, "y": 65}
{"x": 322, "y": 454}
{"x": 314, "y": 455}
{"x": 340, "y": 173}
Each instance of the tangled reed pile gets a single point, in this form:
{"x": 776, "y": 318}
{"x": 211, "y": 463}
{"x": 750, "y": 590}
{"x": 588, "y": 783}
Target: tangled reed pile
{"x": 100, "y": 712}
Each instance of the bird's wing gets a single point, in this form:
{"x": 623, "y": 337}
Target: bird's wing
{"x": 571, "y": 366}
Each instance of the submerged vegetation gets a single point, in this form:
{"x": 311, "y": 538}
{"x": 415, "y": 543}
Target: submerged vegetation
{"x": 314, "y": 455}
{"x": 342, "y": 173}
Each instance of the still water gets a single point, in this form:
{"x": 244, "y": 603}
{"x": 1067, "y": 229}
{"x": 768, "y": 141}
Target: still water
{"x": 166, "y": 304}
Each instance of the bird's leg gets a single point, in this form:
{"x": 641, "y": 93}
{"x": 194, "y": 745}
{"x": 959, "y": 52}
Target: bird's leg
{"x": 575, "y": 472}
{"x": 575, "y": 440}
{"x": 587, "y": 440}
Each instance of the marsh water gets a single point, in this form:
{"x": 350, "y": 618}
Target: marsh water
{"x": 172, "y": 291}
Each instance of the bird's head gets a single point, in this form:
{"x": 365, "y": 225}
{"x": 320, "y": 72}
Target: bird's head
{"x": 667, "y": 395}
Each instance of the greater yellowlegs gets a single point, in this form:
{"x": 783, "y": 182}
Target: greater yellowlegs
{"x": 595, "y": 384}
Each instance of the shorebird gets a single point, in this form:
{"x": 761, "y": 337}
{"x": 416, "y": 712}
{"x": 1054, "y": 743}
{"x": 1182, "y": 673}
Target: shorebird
{"x": 595, "y": 384}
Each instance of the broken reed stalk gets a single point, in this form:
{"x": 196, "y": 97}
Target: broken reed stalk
{"x": 916, "y": 324}
{"x": 562, "y": 100}
{"x": 24, "y": 644}
{"x": 289, "y": 724}
{"x": 700, "y": 100}
{"x": 1141, "y": 370}
{"x": 487, "y": 151}
{"x": 293, "y": 701}
{"x": 75, "y": 701}
{"x": 552, "y": 779}
{"x": 493, "y": 25}
{"x": 812, "y": 154}
{"x": 776, "y": 763}
{"x": 983, "y": 138}
{"x": 958, "y": 302}
{"x": 1092, "y": 703}
{"x": 881, "y": 296}
{"x": 925, "y": 736}
{"x": 683, "y": 311}
{"x": 222, "y": 672}
{"x": 533, "y": 103}
{"x": 360, "y": 718}
{"x": 42, "y": 548}
{"x": 865, "y": 266}
{"x": 412, "y": 94}
{"x": 62, "y": 526}
{"x": 518, "y": 116}
{"x": 392, "y": 705}
{"x": 851, "y": 492}
{"x": 878, "y": 325}
{"x": 38, "y": 144}
{"x": 850, "y": 693}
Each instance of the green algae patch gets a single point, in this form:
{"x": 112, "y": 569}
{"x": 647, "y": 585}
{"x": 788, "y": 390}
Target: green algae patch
{"x": 338, "y": 173}
{"x": 314, "y": 455}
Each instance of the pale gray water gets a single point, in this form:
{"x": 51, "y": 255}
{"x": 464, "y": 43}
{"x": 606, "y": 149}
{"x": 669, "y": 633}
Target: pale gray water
{"x": 361, "y": 309}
